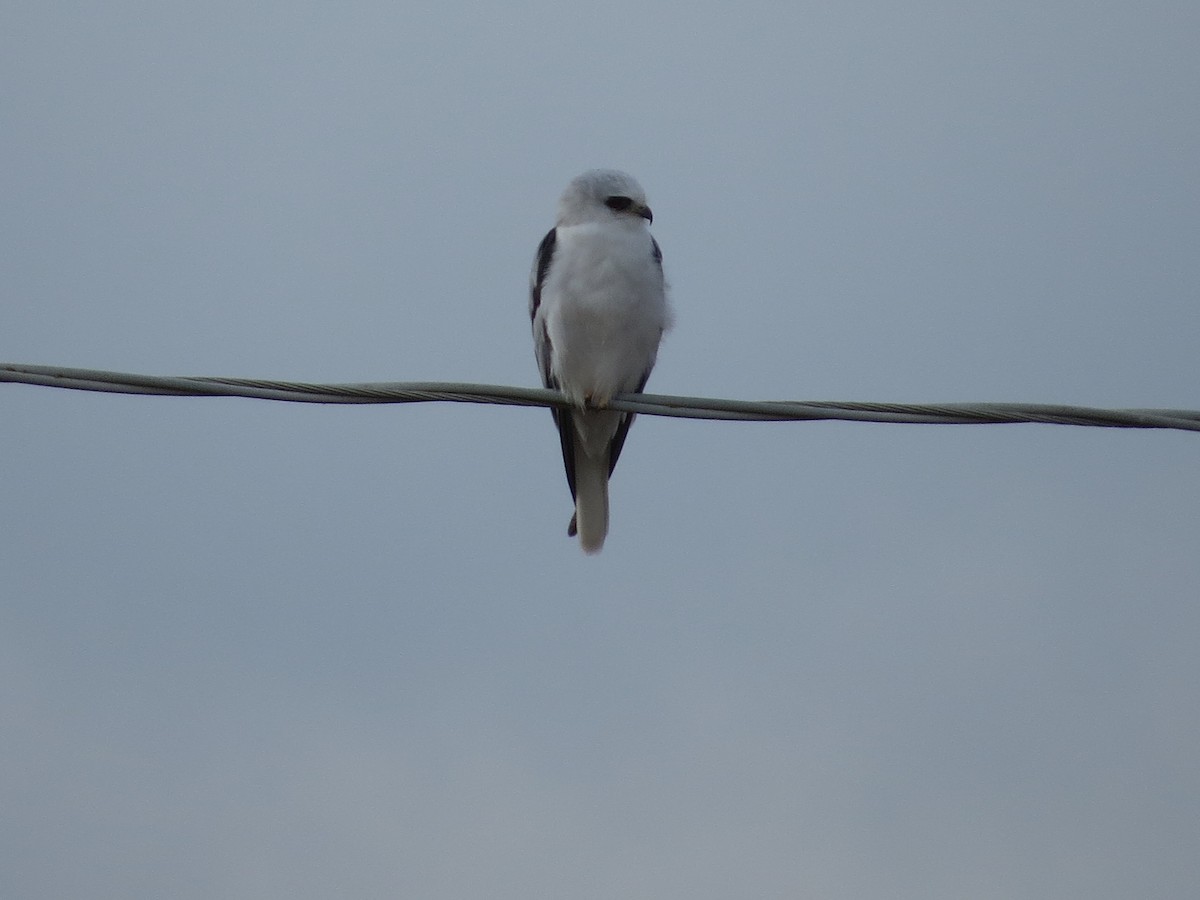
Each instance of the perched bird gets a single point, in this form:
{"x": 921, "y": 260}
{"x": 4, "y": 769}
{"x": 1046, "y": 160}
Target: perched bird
{"x": 598, "y": 304}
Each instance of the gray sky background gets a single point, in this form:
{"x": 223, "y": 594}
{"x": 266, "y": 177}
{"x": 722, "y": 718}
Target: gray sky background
{"x": 260, "y": 650}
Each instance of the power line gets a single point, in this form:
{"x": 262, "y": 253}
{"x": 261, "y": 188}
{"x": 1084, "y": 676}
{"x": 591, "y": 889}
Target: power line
{"x": 645, "y": 404}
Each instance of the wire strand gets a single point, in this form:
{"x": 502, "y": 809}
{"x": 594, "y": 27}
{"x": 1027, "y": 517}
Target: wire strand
{"x": 644, "y": 404}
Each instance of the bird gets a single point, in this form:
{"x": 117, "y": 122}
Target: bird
{"x": 598, "y": 306}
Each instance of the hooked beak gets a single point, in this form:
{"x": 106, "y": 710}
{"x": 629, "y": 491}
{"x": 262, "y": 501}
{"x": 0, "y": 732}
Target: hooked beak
{"x": 644, "y": 212}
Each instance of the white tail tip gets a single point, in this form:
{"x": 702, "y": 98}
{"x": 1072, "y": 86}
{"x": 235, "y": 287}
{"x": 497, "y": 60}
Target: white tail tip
{"x": 591, "y": 504}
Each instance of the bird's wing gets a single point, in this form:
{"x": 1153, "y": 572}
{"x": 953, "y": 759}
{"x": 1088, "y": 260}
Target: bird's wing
{"x": 541, "y": 266}
{"x": 544, "y": 351}
{"x": 618, "y": 438}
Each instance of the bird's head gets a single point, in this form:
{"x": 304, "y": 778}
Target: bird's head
{"x": 602, "y": 195}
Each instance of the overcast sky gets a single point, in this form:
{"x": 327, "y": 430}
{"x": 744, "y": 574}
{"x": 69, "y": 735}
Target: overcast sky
{"x": 265, "y": 650}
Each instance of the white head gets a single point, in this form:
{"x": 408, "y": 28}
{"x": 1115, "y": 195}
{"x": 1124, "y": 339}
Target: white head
{"x": 602, "y": 195}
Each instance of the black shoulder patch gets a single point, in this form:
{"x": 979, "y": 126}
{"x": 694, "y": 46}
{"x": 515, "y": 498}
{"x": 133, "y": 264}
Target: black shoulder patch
{"x": 657, "y": 251}
{"x": 545, "y": 253}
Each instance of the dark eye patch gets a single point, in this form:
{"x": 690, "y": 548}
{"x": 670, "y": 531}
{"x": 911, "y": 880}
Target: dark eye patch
{"x": 619, "y": 204}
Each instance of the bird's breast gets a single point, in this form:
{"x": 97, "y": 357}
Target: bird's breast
{"x": 606, "y": 311}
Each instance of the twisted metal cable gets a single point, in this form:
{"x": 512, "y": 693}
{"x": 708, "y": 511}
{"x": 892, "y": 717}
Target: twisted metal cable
{"x": 644, "y": 404}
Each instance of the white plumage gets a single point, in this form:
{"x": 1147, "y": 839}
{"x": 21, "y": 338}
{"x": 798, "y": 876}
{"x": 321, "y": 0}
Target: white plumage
{"x": 599, "y": 309}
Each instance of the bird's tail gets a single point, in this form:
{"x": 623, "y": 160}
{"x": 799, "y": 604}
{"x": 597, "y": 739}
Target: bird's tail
{"x": 591, "y": 501}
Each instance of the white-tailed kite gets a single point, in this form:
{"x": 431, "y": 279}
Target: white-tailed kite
{"x": 599, "y": 308}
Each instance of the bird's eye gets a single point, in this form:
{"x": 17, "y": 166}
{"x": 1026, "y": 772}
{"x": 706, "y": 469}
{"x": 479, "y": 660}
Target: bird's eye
{"x": 620, "y": 204}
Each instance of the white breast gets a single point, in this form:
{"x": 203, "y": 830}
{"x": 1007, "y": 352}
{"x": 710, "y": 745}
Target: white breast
{"x": 605, "y": 307}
